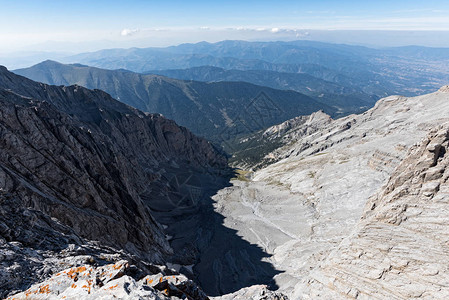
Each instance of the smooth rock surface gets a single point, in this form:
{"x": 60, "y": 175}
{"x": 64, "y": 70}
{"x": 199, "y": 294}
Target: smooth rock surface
{"x": 399, "y": 249}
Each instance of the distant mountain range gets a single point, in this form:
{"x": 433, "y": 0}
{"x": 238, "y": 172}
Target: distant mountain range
{"x": 216, "y": 110}
{"x": 405, "y": 70}
{"x": 348, "y": 99}
{"x": 218, "y": 89}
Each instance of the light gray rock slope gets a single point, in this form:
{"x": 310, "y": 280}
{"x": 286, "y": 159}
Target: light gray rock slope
{"x": 399, "y": 249}
{"x": 300, "y": 208}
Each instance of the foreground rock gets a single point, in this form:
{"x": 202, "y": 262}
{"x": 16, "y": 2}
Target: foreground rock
{"x": 120, "y": 280}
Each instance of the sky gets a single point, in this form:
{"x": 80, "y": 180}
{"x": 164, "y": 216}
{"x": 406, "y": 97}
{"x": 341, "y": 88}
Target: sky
{"x": 77, "y": 26}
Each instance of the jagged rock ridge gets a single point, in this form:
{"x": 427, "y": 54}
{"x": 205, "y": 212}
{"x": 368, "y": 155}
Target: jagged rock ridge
{"x": 73, "y": 164}
{"x": 266, "y": 147}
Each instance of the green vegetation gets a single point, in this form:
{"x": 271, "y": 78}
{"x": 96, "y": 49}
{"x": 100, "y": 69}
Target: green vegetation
{"x": 241, "y": 175}
{"x": 311, "y": 174}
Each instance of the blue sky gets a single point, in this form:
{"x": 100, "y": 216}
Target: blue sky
{"x": 97, "y": 23}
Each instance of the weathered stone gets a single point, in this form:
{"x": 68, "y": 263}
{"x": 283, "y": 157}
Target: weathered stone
{"x": 110, "y": 281}
{"x": 255, "y": 292}
{"x": 416, "y": 247}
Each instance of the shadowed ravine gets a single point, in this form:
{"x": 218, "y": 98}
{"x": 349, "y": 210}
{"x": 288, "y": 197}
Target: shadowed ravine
{"x": 94, "y": 165}
{"x": 223, "y": 261}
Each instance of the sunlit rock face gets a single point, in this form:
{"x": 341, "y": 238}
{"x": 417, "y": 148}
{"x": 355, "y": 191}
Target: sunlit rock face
{"x": 399, "y": 248}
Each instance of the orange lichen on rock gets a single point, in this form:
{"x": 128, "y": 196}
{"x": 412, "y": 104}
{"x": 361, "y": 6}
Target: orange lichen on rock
{"x": 44, "y": 289}
{"x": 74, "y": 272}
{"x": 118, "y": 265}
{"x": 29, "y": 292}
{"x": 89, "y": 282}
{"x": 71, "y": 274}
{"x": 113, "y": 287}
{"x": 81, "y": 269}
{"x": 73, "y": 286}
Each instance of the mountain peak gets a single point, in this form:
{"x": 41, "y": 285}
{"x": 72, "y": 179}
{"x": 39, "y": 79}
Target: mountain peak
{"x": 49, "y": 62}
{"x": 444, "y": 89}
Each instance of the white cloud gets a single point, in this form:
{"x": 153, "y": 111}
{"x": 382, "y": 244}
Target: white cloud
{"x": 302, "y": 34}
{"x": 128, "y": 32}
{"x": 275, "y": 30}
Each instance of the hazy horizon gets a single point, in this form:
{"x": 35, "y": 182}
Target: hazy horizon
{"x": 38, "y": 30}
{"x": 88, "y": 26}
{"x": 31, "y": 55}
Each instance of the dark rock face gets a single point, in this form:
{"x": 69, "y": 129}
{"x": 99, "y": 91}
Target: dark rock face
{"x": 73, "y": 164}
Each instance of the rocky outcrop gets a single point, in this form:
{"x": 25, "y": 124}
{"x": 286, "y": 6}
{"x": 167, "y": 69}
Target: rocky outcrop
{"x": 120, "y": 280}
{"x": 267, "y": 147}
{"x": 298, "y": 127}
{"x": 399, "y": 248}
{"x": 255, "y": 292}
{"x": 74, "y": 167}
{"x": 444, "y": 89}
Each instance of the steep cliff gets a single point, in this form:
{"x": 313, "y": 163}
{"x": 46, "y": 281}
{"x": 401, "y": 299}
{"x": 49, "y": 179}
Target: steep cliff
{"x": 74, "y": 165}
